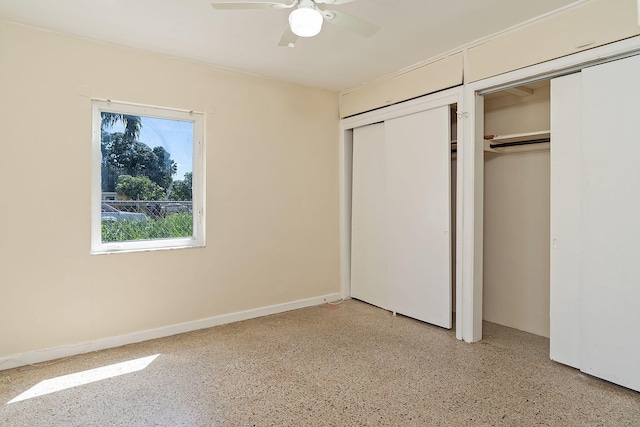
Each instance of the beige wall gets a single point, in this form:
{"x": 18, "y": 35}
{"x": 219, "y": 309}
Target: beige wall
{"x": 516, "y": 219}
{"x": 272, "y": 194}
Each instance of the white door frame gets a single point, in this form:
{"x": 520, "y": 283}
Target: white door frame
{"x": 427, "y": 102}
{"x": 471, "y": 169}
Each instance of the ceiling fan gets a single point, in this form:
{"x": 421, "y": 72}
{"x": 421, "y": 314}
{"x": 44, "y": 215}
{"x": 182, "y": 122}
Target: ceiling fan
{"x": 306, "y": 18}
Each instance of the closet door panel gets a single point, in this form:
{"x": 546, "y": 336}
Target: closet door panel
{"x": 565, "y": 220}
{"x": 418, "y": 162}
{"x": 368, "y": 227}
{"x": 610, "y": 291}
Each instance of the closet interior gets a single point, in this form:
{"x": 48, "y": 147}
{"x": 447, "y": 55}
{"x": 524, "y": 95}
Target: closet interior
{"x": 516, "y": 255}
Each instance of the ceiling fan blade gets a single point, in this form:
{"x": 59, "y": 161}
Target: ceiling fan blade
{"x": 333, "y": 1}
{"x": 251, "y": 5}
{"x": 350, "y": 22}
{"x": 288, "y": 38}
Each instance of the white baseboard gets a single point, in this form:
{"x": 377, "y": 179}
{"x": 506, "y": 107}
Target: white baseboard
{"x": 39, "y": 356}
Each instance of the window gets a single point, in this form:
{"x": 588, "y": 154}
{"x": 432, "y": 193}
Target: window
{"x": 147, "y": 178}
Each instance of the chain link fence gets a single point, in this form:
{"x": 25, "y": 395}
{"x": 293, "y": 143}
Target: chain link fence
{"x": 130, "y": 220}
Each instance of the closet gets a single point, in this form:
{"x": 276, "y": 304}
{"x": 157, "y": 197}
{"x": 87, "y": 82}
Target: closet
{"x": 516, "y": 208}
{"x": 561, "y": 234}
{"x": 401, "y": 221}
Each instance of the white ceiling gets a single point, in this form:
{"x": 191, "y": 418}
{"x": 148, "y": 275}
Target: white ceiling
{"x": 412, "y": 31}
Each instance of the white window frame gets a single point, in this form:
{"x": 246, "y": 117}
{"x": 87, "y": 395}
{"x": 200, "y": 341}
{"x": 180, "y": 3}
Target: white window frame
{"x": 198, "y": 188}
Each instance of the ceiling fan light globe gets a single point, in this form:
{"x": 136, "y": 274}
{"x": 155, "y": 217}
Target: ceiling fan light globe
{"x": 305, "y": 22}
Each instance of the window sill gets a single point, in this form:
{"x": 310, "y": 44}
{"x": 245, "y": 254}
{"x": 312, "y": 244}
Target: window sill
{"x": 145, "y": 246}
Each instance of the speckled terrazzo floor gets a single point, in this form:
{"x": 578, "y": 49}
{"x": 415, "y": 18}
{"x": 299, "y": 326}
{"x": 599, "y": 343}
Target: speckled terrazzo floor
{"x": 354, "y": 366}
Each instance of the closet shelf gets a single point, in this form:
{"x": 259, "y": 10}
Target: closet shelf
{"x": 518, "y": 142}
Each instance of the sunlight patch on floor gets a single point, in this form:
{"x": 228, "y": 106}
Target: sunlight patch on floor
{"x": 85, "y": 377}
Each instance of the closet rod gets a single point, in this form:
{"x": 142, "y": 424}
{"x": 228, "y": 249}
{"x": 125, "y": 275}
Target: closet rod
{"x": 513, "y": 144}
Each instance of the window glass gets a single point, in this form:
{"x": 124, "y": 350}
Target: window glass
{"x": 146, "y": 177}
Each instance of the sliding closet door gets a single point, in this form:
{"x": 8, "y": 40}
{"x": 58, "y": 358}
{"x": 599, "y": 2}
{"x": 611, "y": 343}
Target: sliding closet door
{"x": 610, "y": 291}
{"x": 564, "y": 307}
{"x": 418, "y": 162}
{"x": 369, "y": 220}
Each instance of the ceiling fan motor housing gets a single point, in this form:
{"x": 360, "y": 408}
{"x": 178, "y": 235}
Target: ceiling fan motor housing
{"x": 306, "y": 20}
